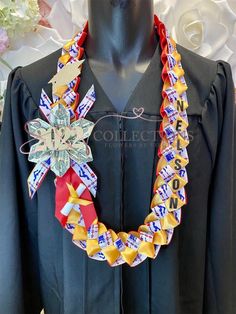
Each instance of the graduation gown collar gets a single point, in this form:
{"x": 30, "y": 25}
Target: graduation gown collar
{"x": 146, "y": 93}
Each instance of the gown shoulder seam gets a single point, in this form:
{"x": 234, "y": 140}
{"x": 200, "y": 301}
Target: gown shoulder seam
{"x": 27, "y": 88}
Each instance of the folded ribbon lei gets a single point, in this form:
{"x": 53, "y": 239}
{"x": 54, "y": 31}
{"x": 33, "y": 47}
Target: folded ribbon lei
{"x": 61, "y": 147}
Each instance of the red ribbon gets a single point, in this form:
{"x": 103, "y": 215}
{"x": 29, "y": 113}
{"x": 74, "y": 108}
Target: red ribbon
{"x": 62, "y": 195}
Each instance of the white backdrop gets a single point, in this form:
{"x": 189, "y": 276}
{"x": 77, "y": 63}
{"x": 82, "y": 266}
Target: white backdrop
{"x": 207, "y": 27}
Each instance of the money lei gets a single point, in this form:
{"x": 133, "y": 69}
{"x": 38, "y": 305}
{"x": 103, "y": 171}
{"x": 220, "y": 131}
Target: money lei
{"x": 74, "y": 205}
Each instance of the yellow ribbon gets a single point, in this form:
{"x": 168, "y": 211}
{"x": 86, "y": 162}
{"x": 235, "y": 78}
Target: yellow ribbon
{"x": 74, "y": 197}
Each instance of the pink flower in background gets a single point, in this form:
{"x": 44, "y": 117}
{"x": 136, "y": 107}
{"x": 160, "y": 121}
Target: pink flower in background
{"x": 4, "y": 40}
{"x": 44, "y": 9}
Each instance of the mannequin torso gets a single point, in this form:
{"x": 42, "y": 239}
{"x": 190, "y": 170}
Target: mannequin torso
{"x": 118, "y": 53}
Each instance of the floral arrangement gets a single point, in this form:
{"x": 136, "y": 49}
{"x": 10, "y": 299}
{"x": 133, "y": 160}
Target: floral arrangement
{"x": 19, "y": 16}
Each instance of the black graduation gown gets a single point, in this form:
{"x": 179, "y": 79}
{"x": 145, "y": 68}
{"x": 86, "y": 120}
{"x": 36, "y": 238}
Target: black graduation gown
{"x": 195, "y": 274}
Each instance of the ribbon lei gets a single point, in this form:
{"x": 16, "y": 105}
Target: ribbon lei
{"x": 75, "y": 180}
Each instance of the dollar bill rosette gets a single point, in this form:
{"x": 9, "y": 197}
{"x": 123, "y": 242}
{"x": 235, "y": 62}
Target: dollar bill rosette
{"x": 76, "y": 182}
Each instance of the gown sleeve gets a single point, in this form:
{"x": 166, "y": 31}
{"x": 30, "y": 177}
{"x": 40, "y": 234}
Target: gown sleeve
{"x": 19, "y": 275}
{"x": 219, "y": 121}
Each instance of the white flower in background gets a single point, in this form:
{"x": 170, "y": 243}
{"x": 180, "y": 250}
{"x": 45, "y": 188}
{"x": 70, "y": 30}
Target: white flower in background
{"x": 19, "y": 16}
{"x": 207, "y": 27}
{"x": 165, "y": 11}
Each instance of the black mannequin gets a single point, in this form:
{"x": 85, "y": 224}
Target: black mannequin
{"x": 120, "y": 43}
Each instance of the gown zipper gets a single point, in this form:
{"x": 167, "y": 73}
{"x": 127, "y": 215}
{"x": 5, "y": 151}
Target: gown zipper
{"x": 121, "y": 203}
{"x": 122, "y": 172}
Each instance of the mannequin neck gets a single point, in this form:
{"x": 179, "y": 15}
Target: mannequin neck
{"x": 120, "y": 31}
